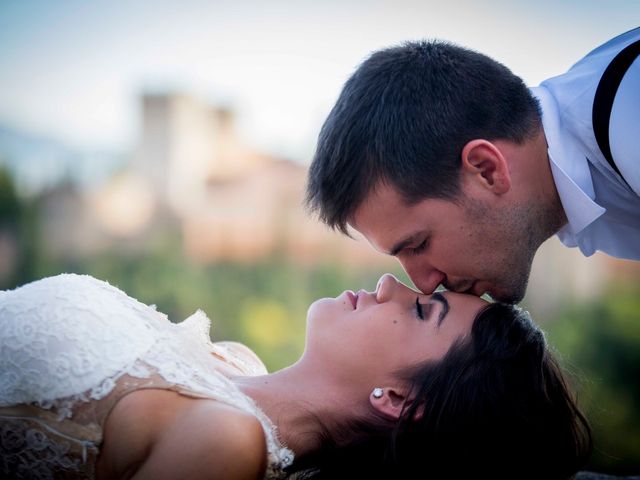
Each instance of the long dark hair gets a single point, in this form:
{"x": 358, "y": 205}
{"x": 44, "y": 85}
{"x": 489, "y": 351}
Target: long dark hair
{"x": 496, "y": 406}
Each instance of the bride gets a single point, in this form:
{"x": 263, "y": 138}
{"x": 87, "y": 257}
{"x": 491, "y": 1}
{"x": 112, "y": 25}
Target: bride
{"x": 94, "y": 384}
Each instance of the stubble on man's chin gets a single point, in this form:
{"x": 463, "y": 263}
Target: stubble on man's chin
{"x": 515, "y": 282}
{"x": 459, "y": 286}
{"x": 534, "y": 224}
{"x": 526, "y": 225}
{"x": 512, "y": 294}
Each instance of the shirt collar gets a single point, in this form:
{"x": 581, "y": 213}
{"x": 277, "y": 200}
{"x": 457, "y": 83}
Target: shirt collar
{"x": 569, "y": 167}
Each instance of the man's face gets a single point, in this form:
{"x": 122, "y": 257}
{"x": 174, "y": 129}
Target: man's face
{"x": 468, "y": 246}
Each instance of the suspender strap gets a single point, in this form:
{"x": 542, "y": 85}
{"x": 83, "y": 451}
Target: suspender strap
{"x": 606, "y": 93}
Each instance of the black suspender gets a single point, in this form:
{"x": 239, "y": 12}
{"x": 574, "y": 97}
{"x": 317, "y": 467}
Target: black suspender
{"x": 606, "y": 93}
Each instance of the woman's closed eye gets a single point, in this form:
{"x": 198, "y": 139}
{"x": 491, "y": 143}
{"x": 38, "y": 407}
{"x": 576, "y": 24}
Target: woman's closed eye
{"x": 423, "y": 311}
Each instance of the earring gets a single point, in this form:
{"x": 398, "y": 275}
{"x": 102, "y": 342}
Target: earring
{"x": 377, "y": 392}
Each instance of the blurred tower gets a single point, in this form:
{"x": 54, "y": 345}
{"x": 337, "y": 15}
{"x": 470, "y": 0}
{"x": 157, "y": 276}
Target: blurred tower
{"x": 184, "y": 145}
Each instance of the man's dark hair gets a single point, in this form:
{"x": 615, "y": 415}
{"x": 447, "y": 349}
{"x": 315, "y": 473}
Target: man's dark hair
{"x": 404, "y": 117}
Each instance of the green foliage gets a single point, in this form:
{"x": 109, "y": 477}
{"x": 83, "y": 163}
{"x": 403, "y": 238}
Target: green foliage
{"x": 600, "y": 342}
{"x": 18, "y": 229}
{"x": 9, "y": 204}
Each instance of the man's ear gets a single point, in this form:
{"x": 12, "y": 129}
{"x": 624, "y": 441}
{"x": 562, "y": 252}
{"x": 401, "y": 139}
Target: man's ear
{"x": 483, "y": 161}
{"x": 391, "y": 403}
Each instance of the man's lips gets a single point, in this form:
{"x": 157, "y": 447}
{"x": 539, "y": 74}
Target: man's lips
{"x": 353, "y": 298}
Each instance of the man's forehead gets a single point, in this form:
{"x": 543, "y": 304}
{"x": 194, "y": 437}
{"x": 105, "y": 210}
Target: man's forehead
{"x": 378, "y": 204}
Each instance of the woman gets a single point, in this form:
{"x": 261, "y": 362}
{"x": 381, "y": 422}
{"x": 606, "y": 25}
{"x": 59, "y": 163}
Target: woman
{"x": 97, "y": 385}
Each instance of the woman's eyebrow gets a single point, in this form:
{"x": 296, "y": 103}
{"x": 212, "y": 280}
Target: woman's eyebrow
{"x": 439, "y": 297}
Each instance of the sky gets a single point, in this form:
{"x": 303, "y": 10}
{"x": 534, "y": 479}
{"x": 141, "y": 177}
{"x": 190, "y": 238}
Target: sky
{"x": 74, "y": 69}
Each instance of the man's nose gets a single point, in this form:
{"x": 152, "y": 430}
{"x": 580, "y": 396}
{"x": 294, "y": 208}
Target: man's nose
{"x": 425, "y": 277}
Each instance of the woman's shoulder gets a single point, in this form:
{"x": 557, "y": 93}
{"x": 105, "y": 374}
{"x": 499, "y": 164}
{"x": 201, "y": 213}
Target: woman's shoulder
{"x": 162, "y": 434}
{"x": 240, "y": 356}
{"x": 234, "y": 441}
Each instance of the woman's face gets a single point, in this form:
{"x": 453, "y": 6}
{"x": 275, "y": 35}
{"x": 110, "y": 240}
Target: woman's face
{"x": 366, "y": 337}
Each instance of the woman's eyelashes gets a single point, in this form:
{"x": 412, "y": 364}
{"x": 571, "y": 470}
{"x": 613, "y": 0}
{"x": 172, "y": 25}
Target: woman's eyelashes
{"x": 422, "y": 311}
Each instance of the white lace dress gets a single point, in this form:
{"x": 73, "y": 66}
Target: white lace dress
{"x": 71, "y": 346}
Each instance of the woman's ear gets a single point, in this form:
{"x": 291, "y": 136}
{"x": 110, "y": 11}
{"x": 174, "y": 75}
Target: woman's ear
{"x": 390, "y": 402}
{"x": 485, "y": 163}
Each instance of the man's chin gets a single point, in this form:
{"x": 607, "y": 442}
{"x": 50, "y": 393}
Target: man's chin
{"x": 507, "y": 295}
{"x": 465, "y": 286}
{"x": 480, "y": 288}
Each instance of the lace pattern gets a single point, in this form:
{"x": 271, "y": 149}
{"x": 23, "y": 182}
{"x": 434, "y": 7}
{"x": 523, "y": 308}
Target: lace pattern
{"x": 55, "y": 335}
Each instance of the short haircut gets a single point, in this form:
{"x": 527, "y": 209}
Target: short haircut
{"x": 404, "y": 117}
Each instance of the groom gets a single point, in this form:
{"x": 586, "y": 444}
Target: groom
{"x": 441, "y": 157}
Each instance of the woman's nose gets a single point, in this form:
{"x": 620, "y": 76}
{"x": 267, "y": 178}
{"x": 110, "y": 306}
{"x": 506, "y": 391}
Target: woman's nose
{"x": 387, "y": 285}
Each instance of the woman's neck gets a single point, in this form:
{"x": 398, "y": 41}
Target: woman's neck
{"x": 290, "y": 399}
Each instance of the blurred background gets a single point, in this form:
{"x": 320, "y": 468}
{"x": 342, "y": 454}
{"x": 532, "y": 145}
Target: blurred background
{"x": 163, "y": 147}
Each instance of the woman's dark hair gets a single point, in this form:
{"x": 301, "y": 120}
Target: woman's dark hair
{"x": 404, "y": 117}
{"x": 496, "y": 406}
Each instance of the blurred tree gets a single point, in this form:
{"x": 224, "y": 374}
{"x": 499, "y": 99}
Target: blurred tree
{"x": 18, "y": 235}
{"x": 600, "y": 342}
{"x": 9, "y": 203}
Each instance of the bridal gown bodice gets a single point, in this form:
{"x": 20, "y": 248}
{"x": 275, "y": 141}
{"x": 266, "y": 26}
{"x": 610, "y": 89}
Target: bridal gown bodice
{"x": 71, "y": 346}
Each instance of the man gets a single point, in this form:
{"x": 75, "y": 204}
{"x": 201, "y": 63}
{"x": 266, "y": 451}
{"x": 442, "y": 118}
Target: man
{"x": 442, "y": 157}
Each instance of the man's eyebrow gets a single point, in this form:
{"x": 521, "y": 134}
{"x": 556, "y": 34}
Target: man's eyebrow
{"x": 439, "y": 297}
{"x": 402, "y": 244}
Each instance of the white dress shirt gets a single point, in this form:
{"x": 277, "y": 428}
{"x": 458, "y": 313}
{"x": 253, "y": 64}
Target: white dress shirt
{"x": 602, "y": 206}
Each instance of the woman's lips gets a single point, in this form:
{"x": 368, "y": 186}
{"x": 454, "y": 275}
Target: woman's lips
{"x": 353, "y": 298}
